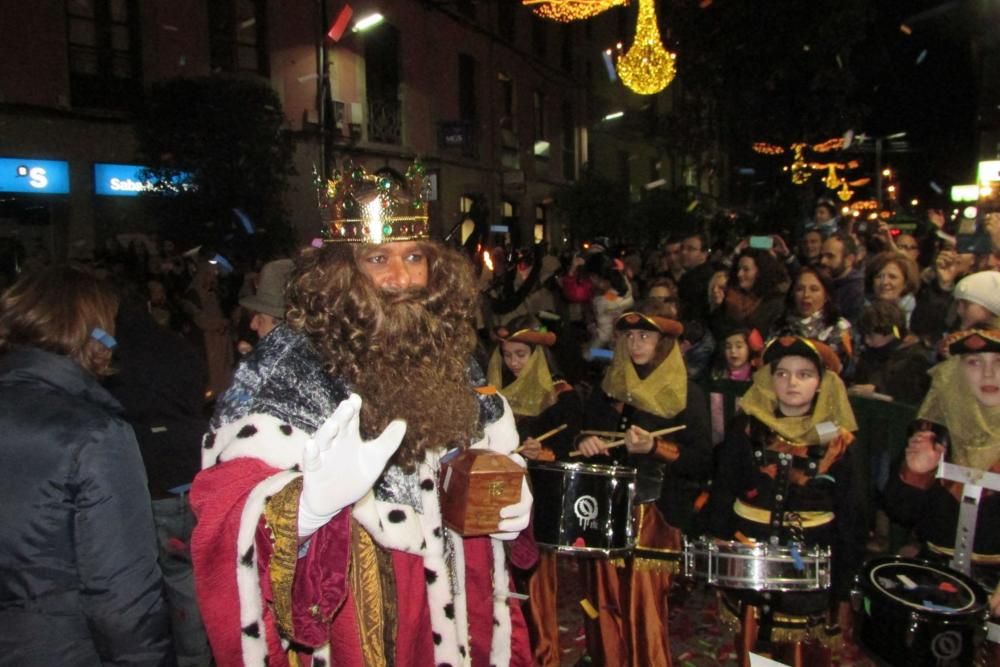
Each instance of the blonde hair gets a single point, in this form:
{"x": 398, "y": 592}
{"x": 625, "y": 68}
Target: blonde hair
{"x": 56, "y": 309}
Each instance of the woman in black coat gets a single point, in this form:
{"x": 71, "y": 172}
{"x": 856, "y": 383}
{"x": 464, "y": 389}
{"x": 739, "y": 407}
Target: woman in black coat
{"x": 79, "y": 583}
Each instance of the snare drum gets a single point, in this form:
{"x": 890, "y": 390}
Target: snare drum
{"x": 582, "y": 508}
{"x": 757, "y": 567}
{"x": 913, "y": 612}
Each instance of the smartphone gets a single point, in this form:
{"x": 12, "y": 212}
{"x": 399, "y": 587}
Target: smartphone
{"x": 601, "y": 353}
{"x": 762, "y": 242}
{"x": 972, "y": 237}
{"x": 500, "y": 229}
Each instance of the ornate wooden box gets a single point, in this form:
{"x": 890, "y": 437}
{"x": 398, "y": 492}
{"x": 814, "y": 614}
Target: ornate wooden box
{"x": 475, "y": 484}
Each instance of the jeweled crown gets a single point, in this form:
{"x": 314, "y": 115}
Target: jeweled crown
{"x": 362, "y": 207}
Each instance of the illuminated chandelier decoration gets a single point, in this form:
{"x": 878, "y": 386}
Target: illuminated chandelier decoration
{"x": 801, "y": 170}
{"x": 565, "y": 11}
{"x": 647, "y": 67}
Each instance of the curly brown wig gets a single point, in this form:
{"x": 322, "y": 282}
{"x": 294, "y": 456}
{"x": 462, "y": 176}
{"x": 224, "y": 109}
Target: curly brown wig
{"x": 405, "y": 352}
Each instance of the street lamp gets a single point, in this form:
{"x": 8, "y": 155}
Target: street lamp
{"x": 367, "y": 22}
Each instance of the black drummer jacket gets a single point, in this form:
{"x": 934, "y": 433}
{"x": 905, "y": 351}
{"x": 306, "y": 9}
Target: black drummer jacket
{"x": 568, "y": 409}
{"x": 674, "y": 485}
{"x": 928, "y": 505}
{"x": 738, "y": 476}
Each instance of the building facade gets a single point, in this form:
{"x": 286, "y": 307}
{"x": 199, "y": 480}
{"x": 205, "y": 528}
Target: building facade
{"x": 504, "y": 108}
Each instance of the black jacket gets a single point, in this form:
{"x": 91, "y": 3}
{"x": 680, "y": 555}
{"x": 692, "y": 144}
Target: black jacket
{"x": 682, "y": 480}
{"x": 739, "y": 475}
{"x": 160, "y": 382}
{"x": 79, "y": 582}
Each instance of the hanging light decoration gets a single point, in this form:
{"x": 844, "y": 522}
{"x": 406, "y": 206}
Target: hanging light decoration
{"x": 800, "y": 168}
{"x": 647, "y": 67}
{"x": 570, "y": 10}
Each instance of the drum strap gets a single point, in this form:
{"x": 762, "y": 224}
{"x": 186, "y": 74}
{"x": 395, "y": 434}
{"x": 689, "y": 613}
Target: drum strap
{"x": 780, "y": 497}
{"x": 973, "y": 481}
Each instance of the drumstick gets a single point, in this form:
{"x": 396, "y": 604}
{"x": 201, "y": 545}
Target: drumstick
{"x": 619, "y": 443}
{"x": 543, "y": 436}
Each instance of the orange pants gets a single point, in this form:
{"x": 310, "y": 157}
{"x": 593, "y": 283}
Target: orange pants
{"x": 632, "y": 601}
{"x": 543, "y": 610}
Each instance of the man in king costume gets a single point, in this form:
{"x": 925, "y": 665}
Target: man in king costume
{"x": 320, "y": 538}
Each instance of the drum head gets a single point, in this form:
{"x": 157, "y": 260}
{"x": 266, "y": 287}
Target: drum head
{"x": 562, "y": 467}
{"x": 925, "y": 587}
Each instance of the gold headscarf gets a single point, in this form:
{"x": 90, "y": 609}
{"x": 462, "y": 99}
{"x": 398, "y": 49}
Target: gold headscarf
{"x": 532, "y": 391}
{"x": 663, "y": 392}
{"x": 974, "y": 428}
{"x": 832, "y": 405}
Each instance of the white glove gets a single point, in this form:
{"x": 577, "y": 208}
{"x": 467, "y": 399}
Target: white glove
{"x": 515, "y": 518}
{"x": 338, "y": 467}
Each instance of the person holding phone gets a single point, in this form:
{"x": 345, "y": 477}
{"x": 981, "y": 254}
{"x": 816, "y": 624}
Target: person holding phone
{"x": 755, "y": 294}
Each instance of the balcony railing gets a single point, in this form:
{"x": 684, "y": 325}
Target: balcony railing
{"x": 385, "y": 121}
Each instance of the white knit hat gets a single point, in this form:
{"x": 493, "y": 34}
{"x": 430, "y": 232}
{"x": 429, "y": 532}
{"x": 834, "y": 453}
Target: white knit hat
{"x": 982, "y": 288}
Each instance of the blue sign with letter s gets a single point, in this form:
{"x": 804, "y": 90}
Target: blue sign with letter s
{"x": 39, "y": 176}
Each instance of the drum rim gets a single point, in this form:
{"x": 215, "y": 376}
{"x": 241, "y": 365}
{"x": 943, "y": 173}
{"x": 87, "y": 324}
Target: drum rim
{"x": 588, "y": 551}
{"x": 970, "y": 584}
{"x": 627, "y": 472}
{"x": 762, "y": 548}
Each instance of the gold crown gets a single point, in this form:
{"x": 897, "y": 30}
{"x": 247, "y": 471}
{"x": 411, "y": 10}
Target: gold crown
{"x": 360, "y": 207}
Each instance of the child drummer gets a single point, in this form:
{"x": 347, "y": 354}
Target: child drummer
{"x": 645, "y": 390}
{"x": 549, "y": 414}
{"x": 959, "y": 420}
{"x": 783, "y": 476}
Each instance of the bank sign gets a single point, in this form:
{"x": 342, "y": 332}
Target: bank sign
{"x": 49, "y": 177}
{"x": 125, "y": 180}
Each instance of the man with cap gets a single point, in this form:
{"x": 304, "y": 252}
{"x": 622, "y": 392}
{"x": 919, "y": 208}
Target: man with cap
{"x": 646, "y": 389}
{"x": 268, "y": 304}
{"x": 320, "y": 537}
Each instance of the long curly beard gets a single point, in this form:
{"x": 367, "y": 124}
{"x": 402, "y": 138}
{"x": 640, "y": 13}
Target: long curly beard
{"x": 410, "y": 370}
{"x": 405, "y": 352}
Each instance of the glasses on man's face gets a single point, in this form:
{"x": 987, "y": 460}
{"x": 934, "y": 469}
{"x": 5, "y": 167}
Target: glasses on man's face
{"x": 906, "y": 246}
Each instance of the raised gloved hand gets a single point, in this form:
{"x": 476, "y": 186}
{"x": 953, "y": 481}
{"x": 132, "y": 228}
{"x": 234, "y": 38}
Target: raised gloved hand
{"x": 515, "y": 518}
{"x": 338, "y": 467}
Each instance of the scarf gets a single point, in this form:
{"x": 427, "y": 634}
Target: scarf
{"x": 532, "y": 391}
{"x": 662, "y": 393}
{"x": 830, "y": 405}
{"x": 974, "y": 428}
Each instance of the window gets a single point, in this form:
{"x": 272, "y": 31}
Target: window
{"x": 566, "y": 54}
{"x": 466, "y": 87}
{"x": 539, "y": 116}
{"x": 541, "y": 219}
{"x": 568, "y": 142}
{"x": 624, "y": 168}
{"x": 510, "y": 156}
{"x": 238, "y": 36}
{"x": 538, "y": 37}
{"x": 382, "y": 78}
{"x": 507, "y": 21}
{"x": 105, "y": 66}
